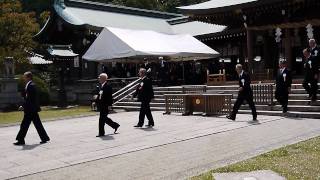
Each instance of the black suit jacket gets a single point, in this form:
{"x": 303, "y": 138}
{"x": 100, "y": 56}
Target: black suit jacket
{"x": 104, "y": 97}
{"x": 312, "y": 65}
{"x": 315, "y": 52}
{"x": 283, "y": 81}
{"x": 144, "y": 91}
{"x": 245, "y": 82}
{"x": 31, "y": 101}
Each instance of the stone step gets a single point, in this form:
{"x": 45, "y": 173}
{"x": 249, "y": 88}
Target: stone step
{"x": 279, "y": 108}
{"x": 300, "y": 108}
{"x": 137, "y": 108}
{"x": 294, "y": 114}
{"x": 227, "y": 91}
{"x": 301, "y": 102}
{"x": 160, "y": 99}
{"x": 137, "y": 104}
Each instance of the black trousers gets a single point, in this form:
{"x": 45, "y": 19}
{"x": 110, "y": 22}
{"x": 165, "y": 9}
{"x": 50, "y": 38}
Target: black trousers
{"x": 145, "y": 111}
{"x": 104, "y": 119}
{"x": 282, "y": 97}
{"x": 27, "y": 119}
{"x": 239, "y": 102}
{"x": 313, "y": 87}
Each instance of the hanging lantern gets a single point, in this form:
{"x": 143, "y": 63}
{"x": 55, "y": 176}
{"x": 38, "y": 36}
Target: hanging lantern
{"x": 309, "y": 31}
{"x": 278, "y": 35}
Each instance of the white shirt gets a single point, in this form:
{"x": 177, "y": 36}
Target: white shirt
{"x": 281, "y": 70}
{"x": 28, "y": 84}
{"x": 241, "y": 74}
{"x": 103, "y": 84}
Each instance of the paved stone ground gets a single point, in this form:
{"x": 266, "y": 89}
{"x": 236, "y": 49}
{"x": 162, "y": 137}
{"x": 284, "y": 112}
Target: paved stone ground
{"x": 178, "y": 147}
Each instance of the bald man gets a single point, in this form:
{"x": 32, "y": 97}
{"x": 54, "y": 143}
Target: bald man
{"x": 245, "y": 93}
{"x": 104, "y": 101}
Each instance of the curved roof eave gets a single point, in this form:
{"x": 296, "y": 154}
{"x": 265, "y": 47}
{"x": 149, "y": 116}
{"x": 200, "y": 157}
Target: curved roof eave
{"x": 67, "y": 16}
{"x": 43, "y": 28}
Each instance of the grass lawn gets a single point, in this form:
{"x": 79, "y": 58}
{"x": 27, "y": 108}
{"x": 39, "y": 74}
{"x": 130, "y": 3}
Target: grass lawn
{"x": 295, "y": 162}
{"x": 45, "y": 114}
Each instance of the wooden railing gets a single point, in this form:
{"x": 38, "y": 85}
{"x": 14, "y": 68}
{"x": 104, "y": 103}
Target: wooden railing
{"x": 207, "y": 104}
{"x": 175, "y": 103}
{"x": 194, "y": 89}
{"x": 263, "y": 93}
{"x": 216, "y": 79}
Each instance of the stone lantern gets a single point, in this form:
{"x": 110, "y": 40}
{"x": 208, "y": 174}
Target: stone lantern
{"x": 9, "y": 96}
{"x": 8, "y": 71}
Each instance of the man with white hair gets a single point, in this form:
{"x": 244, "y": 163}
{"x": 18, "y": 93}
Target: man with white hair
{"x": 245, "y": 93}
{"x": 311, "y": 65}
{"x": 314, "y": 49}
{"x": 145, "y": 94}
{"x": 105, "y": 100}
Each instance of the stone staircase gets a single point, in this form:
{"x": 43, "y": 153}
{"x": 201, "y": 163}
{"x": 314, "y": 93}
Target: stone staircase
{"x": 299, "y": 105}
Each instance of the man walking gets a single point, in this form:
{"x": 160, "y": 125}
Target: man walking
{"x": 145, "y": 94}
{"x": 31, "y": 108}
{"x": 245, "y": 93}
{"x": 283, "y": 85}
{"x": 311, "y": 76}
{"x": 104, "y": 100}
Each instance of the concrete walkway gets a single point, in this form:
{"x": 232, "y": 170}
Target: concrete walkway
{"x": 178, "y": 147}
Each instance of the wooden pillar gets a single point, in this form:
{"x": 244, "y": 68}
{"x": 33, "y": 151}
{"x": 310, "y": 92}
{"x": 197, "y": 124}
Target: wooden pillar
{"x": 288, "y": 48}
{"x": 250, "y": 49}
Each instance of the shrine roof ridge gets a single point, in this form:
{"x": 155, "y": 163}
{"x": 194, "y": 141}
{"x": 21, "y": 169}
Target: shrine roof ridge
{"x": 121, "y": 9}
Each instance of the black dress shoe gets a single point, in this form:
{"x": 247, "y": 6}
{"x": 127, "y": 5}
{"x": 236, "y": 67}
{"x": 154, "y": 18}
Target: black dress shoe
{"x": 19, "y": 143}
{"x": 43, "y": 142}
{"x": 150, "y": 125}
{"x": 116, "y": 129}
{"x": 231, "y": 118}
{"x": 99, "y": 135}
{"x": 137, "y": 126}
{"x": 254, "y": 119}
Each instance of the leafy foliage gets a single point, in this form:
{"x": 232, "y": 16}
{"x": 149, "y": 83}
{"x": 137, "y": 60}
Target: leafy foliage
{"x": 16, "y": 32}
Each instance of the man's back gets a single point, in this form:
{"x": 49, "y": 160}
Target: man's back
{"x": 31, "y": 103}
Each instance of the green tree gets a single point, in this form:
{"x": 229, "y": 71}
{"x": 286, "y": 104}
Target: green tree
{"x": 16, "y": 31}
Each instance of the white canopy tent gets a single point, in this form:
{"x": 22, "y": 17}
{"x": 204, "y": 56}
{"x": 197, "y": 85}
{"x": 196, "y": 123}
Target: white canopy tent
{"x": 116, "y": 43}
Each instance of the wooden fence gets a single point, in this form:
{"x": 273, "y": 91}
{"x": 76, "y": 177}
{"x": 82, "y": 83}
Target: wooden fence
{"x": 263, "y": 93}
{"x": 207, "y": 104}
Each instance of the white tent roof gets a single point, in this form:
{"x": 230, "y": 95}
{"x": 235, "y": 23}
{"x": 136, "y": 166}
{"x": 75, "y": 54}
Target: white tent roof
{"x": 115, "y": 43}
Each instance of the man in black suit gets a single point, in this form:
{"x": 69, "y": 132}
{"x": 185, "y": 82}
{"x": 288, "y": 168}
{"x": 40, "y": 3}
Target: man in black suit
{"x": 31, "y": 108}
{"x": 145, "y": 94}
{"x": 104, "y": 100}
{"x": 314, "y": 49}
{"x": 283, "y": 85}
{"x": 245, "y": 93}
{"x": 312, "y": 71}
